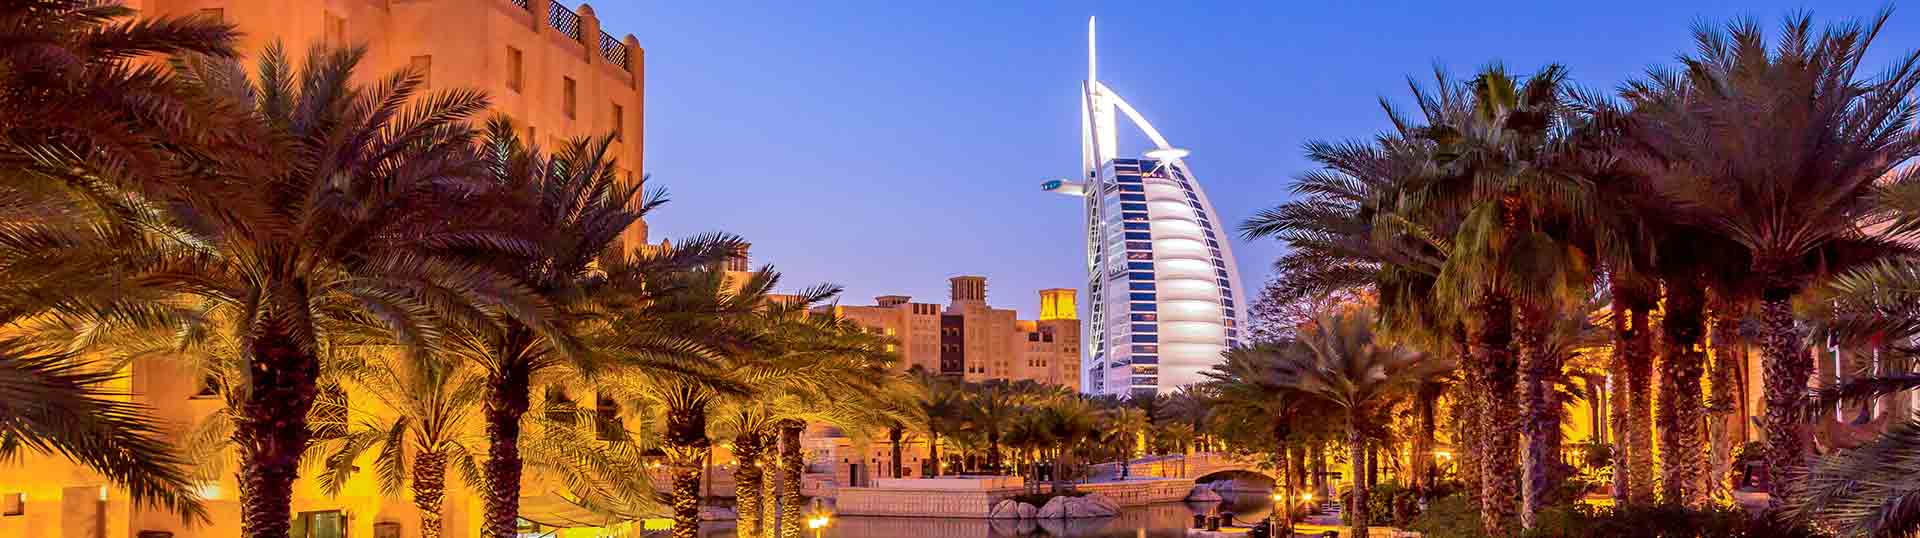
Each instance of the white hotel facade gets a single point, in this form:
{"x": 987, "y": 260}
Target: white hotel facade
{"x": 1164, "y": 292}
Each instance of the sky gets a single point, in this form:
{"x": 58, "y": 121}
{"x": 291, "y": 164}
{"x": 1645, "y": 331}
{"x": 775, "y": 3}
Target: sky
{"x": 888, "y": 145}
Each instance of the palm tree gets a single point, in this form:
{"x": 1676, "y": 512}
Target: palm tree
{"x": 1511, "y": 261}
{"x": 573, "y": 207}
{"x": 83, "y": 111}
{"x": 1126, "y": 428}
{"x": 1790, "y": 185}
{"x": 1068, "y": 421}
{"x": 50, "y": 402}
{"x": 990, "y": 408}
{"x": 434, "y": 402}
{"x": 1339, "y": 361}
{"x": 942, "y": 410}
{"x": 377, "y": 179}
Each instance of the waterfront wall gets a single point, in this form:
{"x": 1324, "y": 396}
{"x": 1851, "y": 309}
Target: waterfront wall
{"x": 909, "y": 498}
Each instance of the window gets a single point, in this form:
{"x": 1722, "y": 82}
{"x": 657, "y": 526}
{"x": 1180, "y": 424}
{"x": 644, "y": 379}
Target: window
{"x": 619, "y": 122}
{"x": 560, "y": 408}
{"x": 1137, "y": 226}
{"x": 1144, "y": 307}
{"x": 1139, "y": 276}
{"x": 1146, "y": 338}
{"x": 209, "y": 387}
{"x": 1139, "y": 245}
{"x": 327, "y": 524}
{"x": 1142, "y": 266}
{"x": 514, "y": 73}
{"x": 606, "y": 419}
{"x": 214, "y": 14}
{"x": 1139, "y": 235}
{"x": 423, "y": 66}
{"x": 1146, "y": 359}
{"x": 1145, "y": 317}
{"x": 1133, "y": 207}
{"x": 1133, "y": 188}
{"x": 13, "y": 504}
{"x": 1140, "y": 296}
{"x": 1144, "y": 328}
{"x": 336, "y": 30}
{"x": 1140, "y": 255}
{"x": 1140, "y": 286}
{"x": 1133, "y": 197}
{"x": 566, "y": 96}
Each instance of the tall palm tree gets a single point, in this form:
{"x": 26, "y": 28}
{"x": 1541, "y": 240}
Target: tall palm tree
{"x": 1791, "y": 185}
{"x": 1340, "y": 362}
{"x": 1502, "y": 167}
{"x": 377, "y": 173}
{"x": 570, "y": 208}
{"x": 990, "y": 408}
{"x": 943, "y": 411}
{"x": 1125, "y": 428}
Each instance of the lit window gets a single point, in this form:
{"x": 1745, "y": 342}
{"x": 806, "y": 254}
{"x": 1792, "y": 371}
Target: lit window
{"x": 423, "y": 66}
{"x": 514, "y": 73}
{"x": 619, "y": 122}
{"x": 336, "y": 30}
{"x": 13, "y": 504}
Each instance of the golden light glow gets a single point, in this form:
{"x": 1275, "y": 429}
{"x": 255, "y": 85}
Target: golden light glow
{"x": 817, "y": 522}
{"x": 1306, "y": 497}
{"x": 657, "y": 524}
{"x": 209, "y": 491}
{"x": 1442, "y": 454}
{"x": 1058, "y": 303}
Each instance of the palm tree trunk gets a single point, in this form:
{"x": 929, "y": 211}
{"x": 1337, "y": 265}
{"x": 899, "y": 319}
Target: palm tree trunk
{"x": 1640, "y": 395}
{"x": 506, "y": 403}
{"x": 1722, "y": 402}
{"x": 791, "y": 466}
{"x": 1787, "y": 368}
{"x": 1357, "y": 450}
{"x": 1499, "y": 419}
{"x": 1422, "y": 457}
{"x": 749, "y": 483}
{"x": 1618, "y": 394}
{"x": 272, "y": 428}
{"x": 1680, "y": 395}
{"x": 686, "y": 447}
{"x": 1468, "y": 408}
{"x": 429, "y": 489}
{"x": 933, "y": 453}
{"x": 894, "y": 434}
{"x": 1540, "y": 368}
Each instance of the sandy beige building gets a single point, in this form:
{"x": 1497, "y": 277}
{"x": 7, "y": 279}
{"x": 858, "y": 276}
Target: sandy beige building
{"x": 971, "y": 340}
{"x": 553, "y": 68}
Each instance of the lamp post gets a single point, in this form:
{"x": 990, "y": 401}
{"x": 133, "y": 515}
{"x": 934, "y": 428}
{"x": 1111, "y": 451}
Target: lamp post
{"x": 819, "y": 524}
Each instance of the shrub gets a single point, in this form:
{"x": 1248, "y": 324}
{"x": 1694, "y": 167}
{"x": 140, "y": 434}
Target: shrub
{"x": 1452, "y": 516}
{"x": 1664, "y": 521}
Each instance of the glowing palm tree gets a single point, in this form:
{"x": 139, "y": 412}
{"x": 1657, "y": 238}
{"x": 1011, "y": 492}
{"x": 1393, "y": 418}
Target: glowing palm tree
{"x": 1339, "y": 361}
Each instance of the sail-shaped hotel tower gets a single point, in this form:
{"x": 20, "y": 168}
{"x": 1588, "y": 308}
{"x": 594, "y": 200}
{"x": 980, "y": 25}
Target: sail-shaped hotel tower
{"x": 1165, "y": 295}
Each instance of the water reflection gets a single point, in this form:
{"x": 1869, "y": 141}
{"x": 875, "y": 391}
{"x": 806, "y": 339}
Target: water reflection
{"x": 1168, "y": 520}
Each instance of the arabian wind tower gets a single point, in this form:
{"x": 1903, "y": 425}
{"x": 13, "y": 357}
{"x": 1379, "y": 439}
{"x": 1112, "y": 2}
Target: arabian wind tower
{"x": 1162, "y": 287}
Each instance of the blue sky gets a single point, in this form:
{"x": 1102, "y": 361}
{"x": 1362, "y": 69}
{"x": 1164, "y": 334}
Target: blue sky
{"x": 887, "y": 146}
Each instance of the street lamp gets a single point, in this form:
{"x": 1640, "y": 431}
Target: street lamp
{"x": 819, "y": 524}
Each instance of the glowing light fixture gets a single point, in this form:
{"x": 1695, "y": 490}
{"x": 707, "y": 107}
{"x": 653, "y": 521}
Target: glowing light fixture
{"x": 1168, "y": 154}
{"x": 1308, "y": 497}
{"x": 209, "y": 491}
{"x": 819, "y": 522}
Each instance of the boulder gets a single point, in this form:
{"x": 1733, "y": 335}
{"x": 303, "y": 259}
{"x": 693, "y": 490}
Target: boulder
{"x": 1005, "y": 509}
{"x": 1203, "y": 493}
{"x": 1097, "y": 505}
{"x": 1028, "y": 511}
{"x": 1056, "y": 508}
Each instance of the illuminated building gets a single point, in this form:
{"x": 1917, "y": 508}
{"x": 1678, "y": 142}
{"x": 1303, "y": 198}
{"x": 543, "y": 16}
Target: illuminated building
{"x": 550, "y": 67}
{"x": 1160, "y": 275}
{"x": 970, "y": 340}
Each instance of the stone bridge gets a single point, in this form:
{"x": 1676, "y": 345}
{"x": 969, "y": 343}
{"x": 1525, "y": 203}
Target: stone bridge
{"x": 1199, "y": 467}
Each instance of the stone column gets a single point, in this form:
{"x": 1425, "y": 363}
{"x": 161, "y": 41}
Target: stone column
{"x": 590, "y": 35}
{"x": 540, "y": 9}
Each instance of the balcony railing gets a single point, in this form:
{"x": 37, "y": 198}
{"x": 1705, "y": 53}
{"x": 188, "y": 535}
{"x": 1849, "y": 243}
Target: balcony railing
{"x": 614, "y": 51}
{"x": 568, "y": 23}
{"x": 564, "y": 20}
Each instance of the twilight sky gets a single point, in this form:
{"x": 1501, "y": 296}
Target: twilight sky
{"x": 887, "y": 146}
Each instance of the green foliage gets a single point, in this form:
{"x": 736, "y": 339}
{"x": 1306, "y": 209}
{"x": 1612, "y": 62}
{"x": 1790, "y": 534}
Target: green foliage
{"x": 1452, "y": 516}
